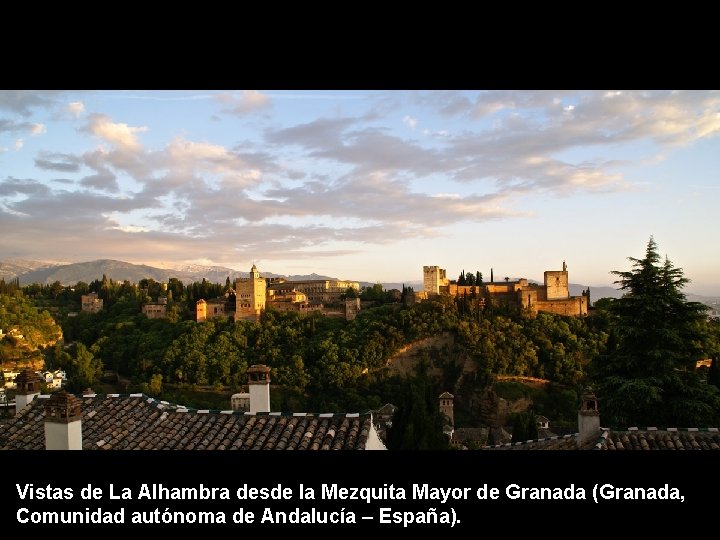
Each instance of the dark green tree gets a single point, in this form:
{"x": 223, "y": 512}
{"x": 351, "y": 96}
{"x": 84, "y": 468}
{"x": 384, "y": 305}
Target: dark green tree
{"x": 648, "y": 376}
{"x": 84, "y": 369}
{"x": 524, "y": 427}
{"x": 417, "y": 424}
{"x": 352, "y": 293}
{"x": 714, "y": 373}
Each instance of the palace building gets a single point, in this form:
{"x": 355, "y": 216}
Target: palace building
{"x": 552, "y": 296}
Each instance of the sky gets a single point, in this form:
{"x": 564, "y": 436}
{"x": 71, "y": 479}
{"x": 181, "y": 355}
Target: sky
{"x": 365, "y": 185}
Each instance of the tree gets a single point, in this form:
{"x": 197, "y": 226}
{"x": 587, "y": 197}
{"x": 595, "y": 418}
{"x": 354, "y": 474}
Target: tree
{"x": 351, "y": 293}
{"x": 714, "y": 373}
{"x": 417, "y": 424}
{"x": 648, "y": 376}
{"x": 524, "y": 427}
{"x": 84, "y": 369}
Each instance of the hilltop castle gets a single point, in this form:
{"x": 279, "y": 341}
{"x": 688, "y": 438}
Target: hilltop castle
{"x": 252, "y": 295}
{"x": 552, "y": 296}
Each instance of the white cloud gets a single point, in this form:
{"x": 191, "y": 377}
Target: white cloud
{"x": 18, "y": 144}
{"x": 75, "y": 108}
{"x": 245, "y": 102}
{"x": 118, "y": 134}
{"x": 38, "y": 129}
{"x": 409, "y": 121}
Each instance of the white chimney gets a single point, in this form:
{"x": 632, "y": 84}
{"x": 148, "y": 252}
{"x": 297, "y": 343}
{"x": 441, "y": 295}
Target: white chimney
{"x": 259, "y": 385}
{"x": 63, "y": 424}
{"x": 28, "y": 388}
{"x": 588, "y": 417}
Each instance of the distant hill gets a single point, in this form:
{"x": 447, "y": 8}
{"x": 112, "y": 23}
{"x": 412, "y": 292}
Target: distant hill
{"x": 69, "y": 274}
{"x": 12, "y": 268}
{"x": 595, "y": 292}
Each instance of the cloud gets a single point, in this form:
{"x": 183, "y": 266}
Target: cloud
{"x": 10, "y": 126}
{"x": 38, "y": 129}
{"x": 103, "y": 180}
{"x": 15, "y": 186}
{"x": 118, "y": 134}
{"x": 23, "y": 101}
{"x": 409, "y": 121}
{"x": 447, "y": 103}
{"x": 323, "y": 133}
{"x": 245, "y": 102}
{"x": 18, "y": 144}
{"x": 75, "y": 108}
{"x": 379, "y": 198}
{"x": 51, "y": 161}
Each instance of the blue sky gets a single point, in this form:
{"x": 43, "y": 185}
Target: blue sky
{"x": 366, "y": 185}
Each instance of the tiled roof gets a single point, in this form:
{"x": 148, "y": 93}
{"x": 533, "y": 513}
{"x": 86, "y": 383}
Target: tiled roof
{"x": 470, "y": 434}
{"x": 630, "y": 439}
{"x": 660, "y": 439}
{"x": 137, "y": 422}
{"x": 558, "y": 442}
{"x": 386, "y": 409}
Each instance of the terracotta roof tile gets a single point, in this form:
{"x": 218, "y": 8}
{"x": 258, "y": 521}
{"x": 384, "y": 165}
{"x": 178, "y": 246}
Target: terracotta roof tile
{"x": 140, "y": 423}
{"x": 660, "y": 439}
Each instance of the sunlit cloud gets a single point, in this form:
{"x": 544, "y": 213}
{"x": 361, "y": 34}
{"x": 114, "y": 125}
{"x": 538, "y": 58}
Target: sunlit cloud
{"x": 244, "y": 102}
{"x": 76, "y": 108}
{"x": 117, "y": 134}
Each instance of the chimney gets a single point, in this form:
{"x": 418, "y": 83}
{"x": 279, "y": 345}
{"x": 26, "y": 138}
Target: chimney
{"x": 588, "y": 417}
{"x": 28, "y": 388}
{"x": 63, "y": 426}
{"x": 259, "y": 386}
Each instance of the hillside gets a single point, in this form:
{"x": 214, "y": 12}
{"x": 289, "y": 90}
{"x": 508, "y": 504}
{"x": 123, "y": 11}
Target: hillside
{"x": 24, "y": 331}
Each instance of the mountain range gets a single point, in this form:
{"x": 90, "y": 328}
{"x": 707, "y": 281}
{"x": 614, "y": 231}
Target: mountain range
{"x": 30, "y": 271}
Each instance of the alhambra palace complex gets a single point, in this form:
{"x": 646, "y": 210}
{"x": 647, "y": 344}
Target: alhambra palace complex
{"x": 255, "y": 293}
{"x": 552, "y": 296}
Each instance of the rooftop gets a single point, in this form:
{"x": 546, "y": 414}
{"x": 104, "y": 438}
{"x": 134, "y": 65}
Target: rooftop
{"x": 660, "y": 439}
{"x": 138, "y": 422}
{"x": 650, "y": 438}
